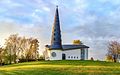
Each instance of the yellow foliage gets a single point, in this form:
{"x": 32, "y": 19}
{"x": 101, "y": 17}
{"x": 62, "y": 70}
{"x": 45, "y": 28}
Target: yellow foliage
{"x": 77, "y": 42}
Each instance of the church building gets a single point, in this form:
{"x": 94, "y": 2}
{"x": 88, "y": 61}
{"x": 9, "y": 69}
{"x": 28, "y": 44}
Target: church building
{"x": 57, "y": 51}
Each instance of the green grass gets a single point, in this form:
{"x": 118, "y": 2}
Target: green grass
{"x": 62, "y": 68}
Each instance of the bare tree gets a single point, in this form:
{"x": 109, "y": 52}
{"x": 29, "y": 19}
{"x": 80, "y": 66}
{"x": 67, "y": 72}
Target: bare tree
{"x": 21, "y": 48}
{"x": 1, "y": 55}
{"x": 12, "y": 46}
{"x": 113, "y": 50}
{"x": 32, "y": 51}
{"x": 34, "y": 48}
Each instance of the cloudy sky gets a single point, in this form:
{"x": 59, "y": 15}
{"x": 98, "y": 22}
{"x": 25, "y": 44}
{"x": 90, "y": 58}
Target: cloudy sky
{"x": 95, "y": 22}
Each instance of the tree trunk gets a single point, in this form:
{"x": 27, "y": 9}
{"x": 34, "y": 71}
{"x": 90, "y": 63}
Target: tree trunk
{"x": 114, "y": 58}
{"x": 1, "y": 62}
{"x": 15, "y": 58}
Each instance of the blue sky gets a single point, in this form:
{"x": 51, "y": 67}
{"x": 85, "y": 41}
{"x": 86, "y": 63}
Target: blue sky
{"x": 95, "y": 22}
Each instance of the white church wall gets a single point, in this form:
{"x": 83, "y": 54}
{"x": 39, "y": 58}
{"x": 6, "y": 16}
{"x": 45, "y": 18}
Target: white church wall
{"x": 73, "y": 54}
{"x": 58, "y": 55}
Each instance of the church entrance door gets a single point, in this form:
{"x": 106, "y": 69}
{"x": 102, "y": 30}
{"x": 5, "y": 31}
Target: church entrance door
{"x": 63, "y": 56}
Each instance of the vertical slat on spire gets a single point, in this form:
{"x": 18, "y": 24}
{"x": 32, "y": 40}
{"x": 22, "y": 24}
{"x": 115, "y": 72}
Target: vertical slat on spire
{"x": 56, "y": 42}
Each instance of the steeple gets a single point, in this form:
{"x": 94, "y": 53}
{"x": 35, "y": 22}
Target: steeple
{"x": 56, "y": 42}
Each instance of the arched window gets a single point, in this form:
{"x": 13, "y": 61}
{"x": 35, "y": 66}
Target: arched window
{"x": 68, "y": 56}
{"x": 77, "y": 57}
{"x": 74, "y": 57}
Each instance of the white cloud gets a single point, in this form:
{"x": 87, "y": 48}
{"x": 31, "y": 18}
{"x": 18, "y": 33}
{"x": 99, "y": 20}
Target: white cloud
{"x": 46, "y": 9}
{"x": 10, "y": 3}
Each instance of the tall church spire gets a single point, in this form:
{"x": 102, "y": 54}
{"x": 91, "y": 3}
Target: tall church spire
{"x": 56, "y": 42}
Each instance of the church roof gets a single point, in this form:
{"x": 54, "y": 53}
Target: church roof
{"x": 56, "y": 41}
{"x": 69, "y": 47}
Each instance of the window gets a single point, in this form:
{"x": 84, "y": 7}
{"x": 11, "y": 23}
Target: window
{"x": 77, "y": 57}
{"x": 74, "y": 57}
{"x": 68, "y": 56}
{"x": 71, "y": 56}
{"x": 53, "y": 54}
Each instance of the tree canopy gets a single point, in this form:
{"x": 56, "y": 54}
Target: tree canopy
{"x": 113, "y": 50}
{"x": 77, "y": 42}
{"x": 18, "y": 48}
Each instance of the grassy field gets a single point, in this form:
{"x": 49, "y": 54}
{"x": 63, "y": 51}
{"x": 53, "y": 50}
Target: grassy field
{"x": 62, "y": 68}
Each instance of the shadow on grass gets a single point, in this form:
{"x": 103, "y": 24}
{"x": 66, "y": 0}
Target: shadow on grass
{"x": 61, "y": 71}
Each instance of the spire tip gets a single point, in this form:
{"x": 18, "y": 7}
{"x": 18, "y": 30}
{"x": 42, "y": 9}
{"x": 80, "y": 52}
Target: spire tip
{"x": 56, "y": 6}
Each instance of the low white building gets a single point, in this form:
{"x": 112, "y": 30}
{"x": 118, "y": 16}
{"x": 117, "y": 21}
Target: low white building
{"x": 57, "y": 51}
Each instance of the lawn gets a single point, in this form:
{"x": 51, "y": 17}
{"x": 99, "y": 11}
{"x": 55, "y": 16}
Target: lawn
{"x": 62, "y": 68}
